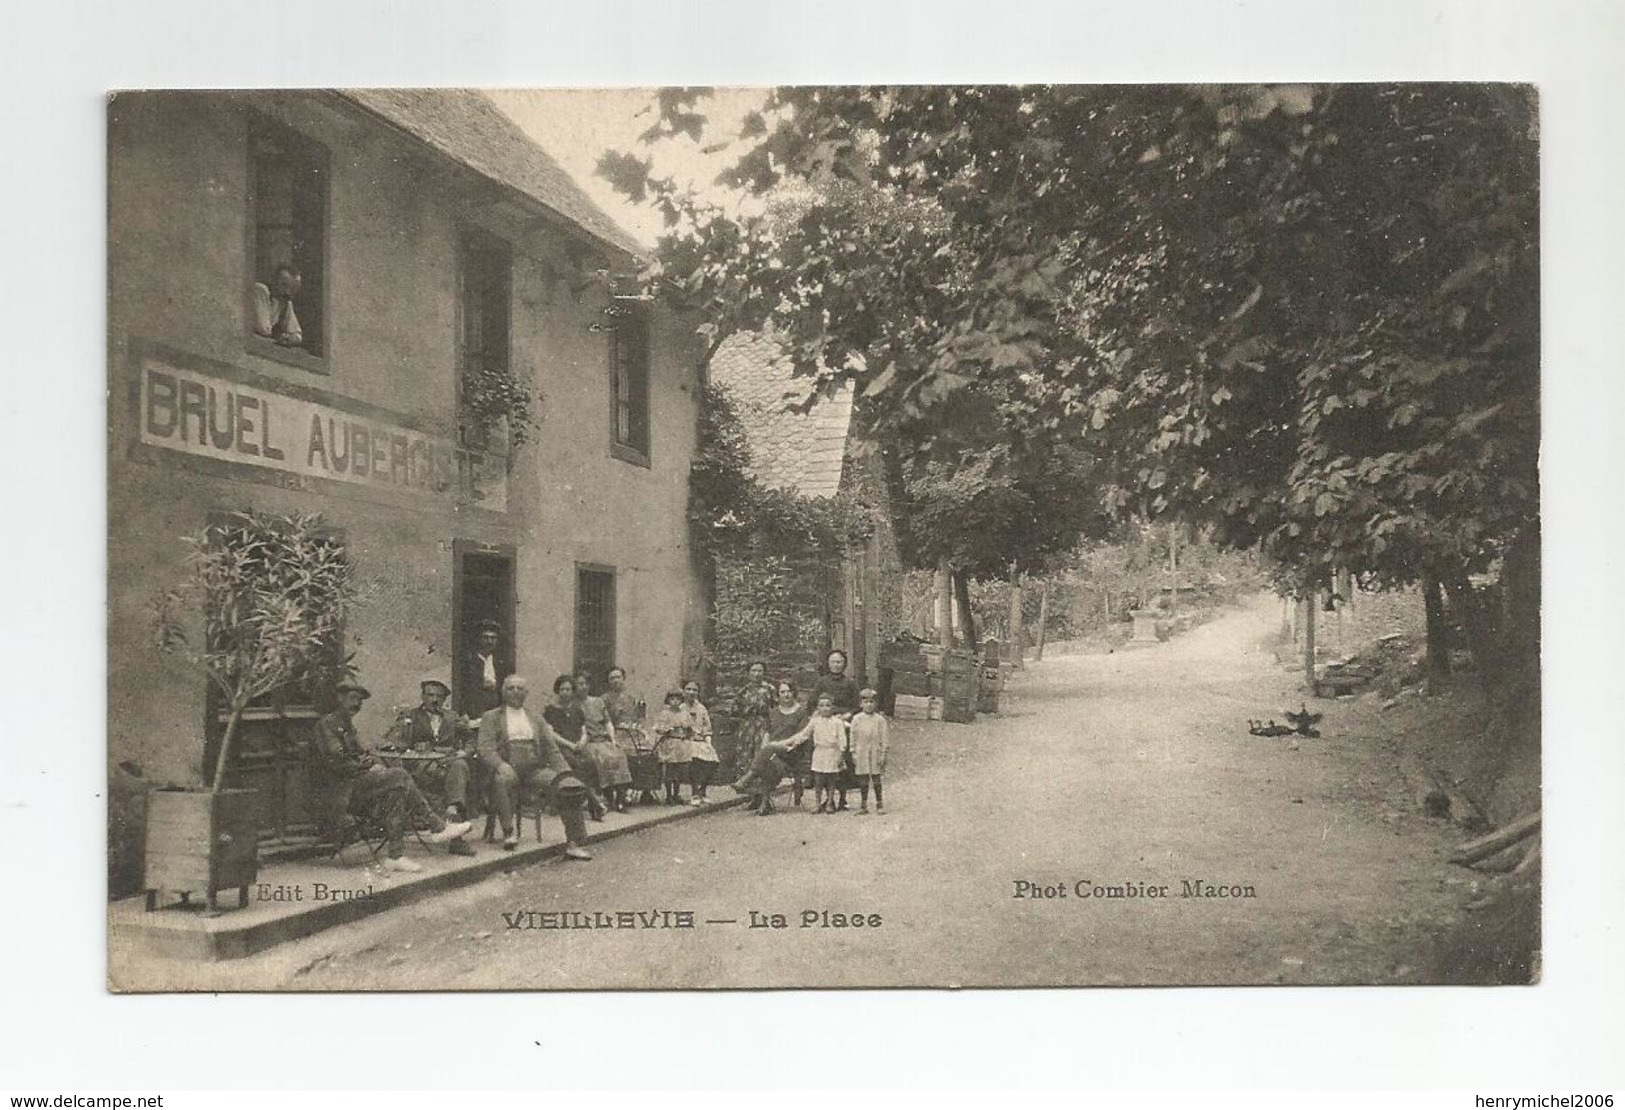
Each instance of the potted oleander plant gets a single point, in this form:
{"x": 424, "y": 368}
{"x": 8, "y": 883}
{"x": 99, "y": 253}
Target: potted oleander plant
{"x": 262, "y": 607}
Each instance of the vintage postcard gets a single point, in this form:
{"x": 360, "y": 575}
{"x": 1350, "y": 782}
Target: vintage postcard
{"x": 823, "y": 537}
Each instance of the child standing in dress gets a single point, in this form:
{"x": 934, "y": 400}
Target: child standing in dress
{"x": 672, "y": 728}
{"x": 830, "y": 744}
{"x": 702, "y": 766}
{"x": 871, "y": 736}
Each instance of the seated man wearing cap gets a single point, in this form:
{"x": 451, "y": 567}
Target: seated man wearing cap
{"x": 521, "y": 748}
{"x": 356, "y": 783}
{"x": 431, "y": 728}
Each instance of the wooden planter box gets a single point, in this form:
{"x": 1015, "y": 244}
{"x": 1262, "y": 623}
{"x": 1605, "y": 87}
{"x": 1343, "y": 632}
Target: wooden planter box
{"x": 198, "y": 840}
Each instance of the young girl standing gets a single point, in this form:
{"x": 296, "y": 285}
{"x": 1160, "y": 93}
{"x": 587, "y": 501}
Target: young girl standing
{"x": 830, "y": 743}
{"x": 871, "y": 736}
{"x": 672, "y": 728}
{"x": 702, "y": 765}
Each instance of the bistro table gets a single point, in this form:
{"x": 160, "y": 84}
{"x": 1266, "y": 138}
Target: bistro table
{"x": 414, "y": 761}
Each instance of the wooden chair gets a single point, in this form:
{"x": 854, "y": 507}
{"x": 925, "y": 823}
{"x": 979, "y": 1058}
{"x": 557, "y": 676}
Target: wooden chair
{"x": 531, "y": 802}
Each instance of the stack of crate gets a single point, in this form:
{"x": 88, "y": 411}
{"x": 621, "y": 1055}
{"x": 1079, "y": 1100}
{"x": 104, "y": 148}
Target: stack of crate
{"x": 928, "y": 682}
{"x": 961, "y": 685}
{"x": 907, "y": 681}
{"x": 987, "y": 700}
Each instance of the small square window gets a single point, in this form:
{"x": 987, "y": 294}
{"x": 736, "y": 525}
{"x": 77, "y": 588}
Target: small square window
{"x": 288, "y": 182}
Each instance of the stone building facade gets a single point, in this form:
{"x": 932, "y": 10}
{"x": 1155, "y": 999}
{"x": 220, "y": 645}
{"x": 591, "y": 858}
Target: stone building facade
{"x": 433, "y": 240}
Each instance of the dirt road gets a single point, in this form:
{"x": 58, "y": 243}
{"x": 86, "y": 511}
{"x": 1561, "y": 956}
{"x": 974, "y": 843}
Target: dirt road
{"x": 1249, "y": 861}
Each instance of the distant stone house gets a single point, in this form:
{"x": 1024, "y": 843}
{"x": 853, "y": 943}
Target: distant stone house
{"x": 852, "y": 603}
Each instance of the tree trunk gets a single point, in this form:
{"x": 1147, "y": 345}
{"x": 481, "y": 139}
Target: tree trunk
{"x": 1438, "y": 647}
{"x": 962, "y": 592}
{"x": 224, "y": 758}
{"x": 1043, "y": 618}
{"x": 1309, "y": 642}
{"x": 1173, "y": 567}
{"x": 945, "y": 605}
{"x": 1521, "y": 584}
{"x": 1467, "y": 604}
{"x": 1016, "y": 635}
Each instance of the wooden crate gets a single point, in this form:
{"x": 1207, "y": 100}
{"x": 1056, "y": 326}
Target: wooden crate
{"x": 901, "y": 656}
{"x": 916, "y": 683}
{"x": 912, "y": 708}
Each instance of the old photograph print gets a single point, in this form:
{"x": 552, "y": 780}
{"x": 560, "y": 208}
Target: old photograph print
{"x": 823, "y": 537}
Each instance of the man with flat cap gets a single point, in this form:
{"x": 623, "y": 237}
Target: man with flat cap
{"x": 355, "y": 783}
{"x": 431, "y": 729}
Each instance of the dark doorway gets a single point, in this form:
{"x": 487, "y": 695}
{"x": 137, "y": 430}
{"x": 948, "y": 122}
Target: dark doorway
{"x": 483, "y": 590}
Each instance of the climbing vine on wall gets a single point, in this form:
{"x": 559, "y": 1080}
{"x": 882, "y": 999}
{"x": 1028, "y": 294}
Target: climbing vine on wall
{"x": 735, "y": 515}
{"x": 768, "y": 552}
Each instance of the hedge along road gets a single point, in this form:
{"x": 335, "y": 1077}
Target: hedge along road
{"x": 1117, "y": 825}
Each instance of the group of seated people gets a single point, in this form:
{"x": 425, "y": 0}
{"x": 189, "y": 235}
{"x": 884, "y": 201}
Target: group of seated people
{"x": 585, "y": 755}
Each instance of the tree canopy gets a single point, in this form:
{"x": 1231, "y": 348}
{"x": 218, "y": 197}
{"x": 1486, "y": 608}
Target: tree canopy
{"x": 1305, "y": 315}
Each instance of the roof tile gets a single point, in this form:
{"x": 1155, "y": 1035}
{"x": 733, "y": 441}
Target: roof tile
{"x": 468, "y": 127}
{"x": 789, "y": 450}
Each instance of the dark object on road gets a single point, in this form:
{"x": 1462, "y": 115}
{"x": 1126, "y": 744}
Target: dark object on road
{"x": 1304, "y": 721}
{"x": 1271, "y": 729}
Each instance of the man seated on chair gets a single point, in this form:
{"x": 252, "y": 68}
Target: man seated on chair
{"x": 432, "y": 729}
{"x": 522, "y": 749}
{"x": 358, "y": 785}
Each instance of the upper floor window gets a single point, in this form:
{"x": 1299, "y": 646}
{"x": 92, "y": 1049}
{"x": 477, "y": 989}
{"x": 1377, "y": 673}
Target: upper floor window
{"x": 485, "y": 288}
{"x": 487, "y": 281}
{"x": 629, "y": 372}
{"x": 288, "y": 181}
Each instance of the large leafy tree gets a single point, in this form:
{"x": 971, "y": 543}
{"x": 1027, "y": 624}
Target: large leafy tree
{"x": 1307, "y": 316}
